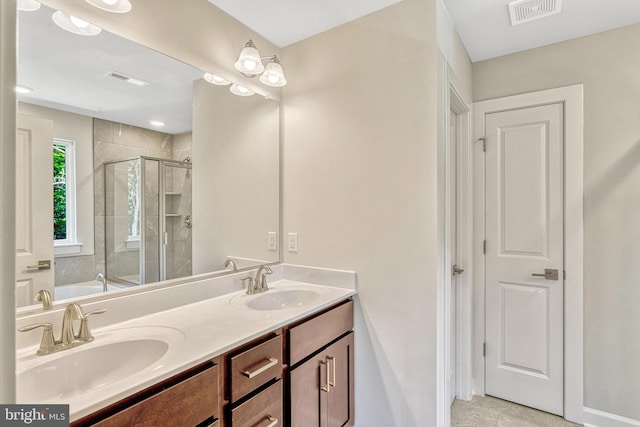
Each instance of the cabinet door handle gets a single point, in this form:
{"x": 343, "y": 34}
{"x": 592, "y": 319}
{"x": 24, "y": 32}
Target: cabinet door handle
{"x": 325, "y": 388}
{"x": 272, "y": 421}
{"x": 272, "y": 361}
{"x": 331, "y": 361}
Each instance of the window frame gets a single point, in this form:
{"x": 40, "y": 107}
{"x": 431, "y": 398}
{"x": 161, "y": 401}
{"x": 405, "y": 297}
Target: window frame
{"x": 70, "y": 244}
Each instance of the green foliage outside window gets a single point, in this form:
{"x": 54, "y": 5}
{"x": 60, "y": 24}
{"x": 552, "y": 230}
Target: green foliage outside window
{"x": 59, "y": 192}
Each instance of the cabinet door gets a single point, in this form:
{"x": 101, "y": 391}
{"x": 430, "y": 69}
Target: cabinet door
{"x": 339, "y": 358}
{"x": 308, "y": 401}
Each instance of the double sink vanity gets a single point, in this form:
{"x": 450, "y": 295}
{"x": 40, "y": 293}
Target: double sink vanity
{"x": 208, "y": 354}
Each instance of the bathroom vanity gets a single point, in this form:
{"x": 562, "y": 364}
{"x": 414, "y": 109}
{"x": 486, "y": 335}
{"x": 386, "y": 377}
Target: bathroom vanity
{"x": 298, "y": 375}
{"x": 284, "y": 357}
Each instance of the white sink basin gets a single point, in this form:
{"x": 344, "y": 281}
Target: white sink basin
{"x": 282, "y": 299}
{"x": 113, "y": 356}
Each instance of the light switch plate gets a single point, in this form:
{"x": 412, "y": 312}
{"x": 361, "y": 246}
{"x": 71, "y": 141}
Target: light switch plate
{"x": 292, "y": 242}
{"x": 272, "y": 241}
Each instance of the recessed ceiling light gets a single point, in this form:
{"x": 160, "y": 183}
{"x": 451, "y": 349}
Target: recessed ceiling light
{"x": 216, "y": 80}
{"x": 115, "y": 6}
{"x": 74, "y": 24}
{"x": 240, "y": 90}
{"x": 23, "y": 89}
{"x": 156, "y": 123}
{"x": 28, "y": 5}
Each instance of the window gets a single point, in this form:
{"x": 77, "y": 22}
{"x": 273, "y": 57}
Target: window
{"x": 64, "y": 192}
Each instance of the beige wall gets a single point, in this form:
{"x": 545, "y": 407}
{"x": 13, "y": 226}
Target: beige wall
{"x": 359, "y": 188}
{"x": 235, "y": 175}
{"x": 608, "y": 64}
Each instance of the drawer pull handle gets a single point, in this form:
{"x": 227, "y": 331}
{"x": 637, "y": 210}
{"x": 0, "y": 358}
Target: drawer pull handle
{"x": 322, "y": 387}
{"x": 273, "y": 421}
{"x": 331, "y": 361}
{"x": 272, "y": 361}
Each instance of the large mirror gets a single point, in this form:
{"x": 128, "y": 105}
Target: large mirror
{"x": 146, "y": 172}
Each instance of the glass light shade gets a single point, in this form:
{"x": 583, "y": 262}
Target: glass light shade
{"x": 273, "y": 74}
{"x": 75, "y": 25}
{"x": 28, "y": 5}
{"x": 249, "y": 62}
{"x": 240, "y": 90}
{"x": 216, "y": 80}
{"x": 115, "y": 6}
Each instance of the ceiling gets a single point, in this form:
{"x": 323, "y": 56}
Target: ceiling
{"x": 483, "y": 25}
{"x": 68, "y": 72}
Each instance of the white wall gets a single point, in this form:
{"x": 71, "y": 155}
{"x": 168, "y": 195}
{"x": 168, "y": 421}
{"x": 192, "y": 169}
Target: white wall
{"x": 359, "y": 188}
{"x": 7, "y": 193}
{"x": 236, "y": 149}
{"x": 74, "y": 127}
{"x": 607, "y": 64}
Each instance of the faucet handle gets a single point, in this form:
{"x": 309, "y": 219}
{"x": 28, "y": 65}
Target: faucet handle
{"x": 48, "y": 342}
{"x": 85, "y": 333}
{"x": 250, "y": 285}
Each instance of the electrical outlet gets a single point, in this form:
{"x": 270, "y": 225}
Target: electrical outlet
{"x": 292, "y": 242}
{"x": 272, "y": 241}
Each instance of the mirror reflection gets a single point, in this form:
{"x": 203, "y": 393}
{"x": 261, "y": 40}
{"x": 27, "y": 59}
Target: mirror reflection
{"x": 126, "y": 201}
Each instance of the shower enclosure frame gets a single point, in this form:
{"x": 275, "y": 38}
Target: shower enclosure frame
{"x": 162, "y": 212}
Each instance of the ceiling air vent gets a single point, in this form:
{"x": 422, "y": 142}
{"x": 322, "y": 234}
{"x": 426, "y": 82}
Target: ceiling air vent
{"x": 123, "y": 77}
{"x": 522, "y": 11}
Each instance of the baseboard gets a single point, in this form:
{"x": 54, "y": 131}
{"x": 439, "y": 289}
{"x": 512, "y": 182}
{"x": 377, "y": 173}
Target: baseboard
{"x": 595, "y": 418}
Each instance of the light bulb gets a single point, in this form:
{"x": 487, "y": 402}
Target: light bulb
{"x": 273, "y": 79}
{"x": 80, "y": 23}
{"x": 249, "y": 64}
{"x": 110, "y": 2}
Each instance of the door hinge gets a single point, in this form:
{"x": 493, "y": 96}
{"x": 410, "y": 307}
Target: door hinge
{"x": 484, "y": 247}
{"x": 484, "y": 143}
{"x": 484, "y": 349}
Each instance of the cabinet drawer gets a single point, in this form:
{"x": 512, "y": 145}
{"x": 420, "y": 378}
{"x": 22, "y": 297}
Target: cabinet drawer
{"x": 255, "y": 367}
{"x": 313, "y": 334}
{"x": 187, "y": 403}
{"x": 262, "y": 410}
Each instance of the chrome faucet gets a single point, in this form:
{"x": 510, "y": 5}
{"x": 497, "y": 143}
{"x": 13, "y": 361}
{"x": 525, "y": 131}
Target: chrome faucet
{"x": 68, "y": 337}
{"x": 230, "y": 263}
{"x": 261, "y": 278}
{"x": 101, "y": 278}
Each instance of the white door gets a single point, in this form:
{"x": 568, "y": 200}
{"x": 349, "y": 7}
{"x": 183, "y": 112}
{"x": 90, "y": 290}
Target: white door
{"x": 524, "y": 238}
{"x": 34, "y": 208}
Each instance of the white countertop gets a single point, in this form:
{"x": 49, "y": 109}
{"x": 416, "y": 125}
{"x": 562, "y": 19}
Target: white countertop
{"x": 206, "y": 328}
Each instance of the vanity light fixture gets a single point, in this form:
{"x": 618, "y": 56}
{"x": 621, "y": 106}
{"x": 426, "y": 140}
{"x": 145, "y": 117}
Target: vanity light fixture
{"x": 249, "y": 63}
{"x": 236, "y": 89}
{"x": 74, "y": 24}
{"x": 115, "y": 6}
{"x": 216, "y": 80}
{"x": 28, "y": 5}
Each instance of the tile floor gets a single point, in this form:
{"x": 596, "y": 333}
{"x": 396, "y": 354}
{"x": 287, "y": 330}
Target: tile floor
{"x": 491, "y": 412}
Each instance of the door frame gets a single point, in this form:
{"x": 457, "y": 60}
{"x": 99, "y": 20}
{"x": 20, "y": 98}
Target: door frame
{"x": 451, "y": 97}
{"x": 572, "y": 99}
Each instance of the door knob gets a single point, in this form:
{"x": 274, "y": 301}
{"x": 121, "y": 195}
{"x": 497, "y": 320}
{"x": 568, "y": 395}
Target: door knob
{"x": 549, "y": 274}
{"x": 455, "y": 270}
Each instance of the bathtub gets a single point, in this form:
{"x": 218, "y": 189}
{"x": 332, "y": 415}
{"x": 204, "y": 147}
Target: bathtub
{"x": 80, "y": 289}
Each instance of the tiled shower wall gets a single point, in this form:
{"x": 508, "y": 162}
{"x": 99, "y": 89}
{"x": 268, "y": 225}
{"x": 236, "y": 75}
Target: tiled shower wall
{"x": 116, "y": 141}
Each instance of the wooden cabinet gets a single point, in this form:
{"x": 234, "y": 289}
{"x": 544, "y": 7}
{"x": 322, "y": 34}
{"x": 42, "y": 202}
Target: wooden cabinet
{"x": 321, "y": 384}
{"x": 189, "y": 399}
{"x": 254, "y": 367}
{"x": 264, "y": 409}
